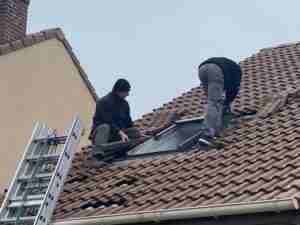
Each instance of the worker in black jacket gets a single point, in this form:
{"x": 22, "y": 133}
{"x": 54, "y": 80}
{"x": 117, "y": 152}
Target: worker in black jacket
{"x": 112, "y": 120}
{"x": 218, "y": 75}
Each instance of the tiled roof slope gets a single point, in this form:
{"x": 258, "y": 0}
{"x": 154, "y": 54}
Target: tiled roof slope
{"x": 32, "y": 39}
{"x": 260, "y": 161}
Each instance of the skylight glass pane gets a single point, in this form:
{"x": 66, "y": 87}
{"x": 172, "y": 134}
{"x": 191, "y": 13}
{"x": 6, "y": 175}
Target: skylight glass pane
{"x": 170, "y": 140}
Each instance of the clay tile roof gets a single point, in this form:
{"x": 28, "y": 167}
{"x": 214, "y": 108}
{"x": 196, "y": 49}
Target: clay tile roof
{"x": 57, "y": 33}
{"x": 260, "y": 160}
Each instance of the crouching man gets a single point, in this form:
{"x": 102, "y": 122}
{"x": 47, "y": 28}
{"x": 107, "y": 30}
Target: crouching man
{"x": 112, "y": 121}
{"x": 218, "y": 75}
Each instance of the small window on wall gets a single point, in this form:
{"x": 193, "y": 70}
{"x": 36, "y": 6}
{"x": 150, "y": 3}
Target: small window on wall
{"x": 178, "y": 137}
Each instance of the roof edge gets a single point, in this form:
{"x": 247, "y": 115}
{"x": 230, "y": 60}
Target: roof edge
{"x": 187, "y": 213}
{"x": 55, "y": 33}
{"x": 279, "y": 46}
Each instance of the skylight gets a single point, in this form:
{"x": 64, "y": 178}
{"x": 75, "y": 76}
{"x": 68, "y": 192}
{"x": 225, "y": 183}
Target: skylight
{"x": 183, "y": 135}
{"x": 180, "y": 136}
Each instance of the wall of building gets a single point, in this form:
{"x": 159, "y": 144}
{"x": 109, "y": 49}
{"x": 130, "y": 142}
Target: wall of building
{"x": 38, "y": 83}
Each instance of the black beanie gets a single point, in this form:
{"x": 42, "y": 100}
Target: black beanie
{"x": 121, "y": 85}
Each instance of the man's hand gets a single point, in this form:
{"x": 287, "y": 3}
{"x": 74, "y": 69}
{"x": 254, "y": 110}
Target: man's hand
{"x": 150, "y": 131}
{"x": 124, "y": 136}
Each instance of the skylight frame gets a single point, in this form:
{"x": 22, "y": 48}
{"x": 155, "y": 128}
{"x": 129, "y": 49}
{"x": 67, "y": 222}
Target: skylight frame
{"x": 181, "y": 145}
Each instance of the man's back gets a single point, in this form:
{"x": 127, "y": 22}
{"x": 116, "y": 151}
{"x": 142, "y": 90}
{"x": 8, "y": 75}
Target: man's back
{"x": 231, "y": 70}
{"x": 112, "y": 110}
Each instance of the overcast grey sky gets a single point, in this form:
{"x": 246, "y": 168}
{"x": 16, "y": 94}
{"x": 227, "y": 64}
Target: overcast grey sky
{"x": 158, "y": 44}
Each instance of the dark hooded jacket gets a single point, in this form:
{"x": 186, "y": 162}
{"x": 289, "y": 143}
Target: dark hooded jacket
{"x": 114, "y": 111}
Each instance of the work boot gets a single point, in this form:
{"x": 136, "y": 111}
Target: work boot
{"x": 211, "y": 142}
{"x": 206, "y": 139}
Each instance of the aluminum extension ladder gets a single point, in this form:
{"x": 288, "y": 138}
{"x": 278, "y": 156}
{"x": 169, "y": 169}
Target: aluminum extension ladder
{"x": 40, "y": 176}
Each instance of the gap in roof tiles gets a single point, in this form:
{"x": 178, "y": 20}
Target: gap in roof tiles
{"x": 96, "y": 204}
{"x": 126, "y": 181}
{"x": 77, "y": 179}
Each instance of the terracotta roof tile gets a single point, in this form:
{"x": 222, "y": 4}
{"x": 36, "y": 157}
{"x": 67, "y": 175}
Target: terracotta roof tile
{"x": 260, "y": 160}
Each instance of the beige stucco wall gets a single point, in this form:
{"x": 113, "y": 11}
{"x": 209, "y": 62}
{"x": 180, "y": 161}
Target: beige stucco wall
{"x": 38, "y": 83}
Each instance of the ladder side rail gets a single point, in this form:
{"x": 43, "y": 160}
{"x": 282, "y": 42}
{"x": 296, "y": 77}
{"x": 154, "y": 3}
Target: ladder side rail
{"x": 27, "y": 167}
{"x": 43, "y": 133}
{"x": 43, "y": 150}
{"x": 35, "y": 134}
{"x": 61, "y": 171}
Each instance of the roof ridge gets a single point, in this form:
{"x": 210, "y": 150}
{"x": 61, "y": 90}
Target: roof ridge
{"x": 38, "y": 37}
{"x": 31, "y": 39}
{"x": 279, "y": 46}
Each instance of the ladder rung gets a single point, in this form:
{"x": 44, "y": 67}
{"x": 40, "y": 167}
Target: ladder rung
{"x": 53, "y": 140}
{"x": 27, "y": 203}
{"x": 44, "y": 157}
{"x": 32, "y": 192}
{"x": 31, "y": 197}
{"x": 32, "y": 186}
{"x": 37, "y": 177}
{"x": 12, "y": 220}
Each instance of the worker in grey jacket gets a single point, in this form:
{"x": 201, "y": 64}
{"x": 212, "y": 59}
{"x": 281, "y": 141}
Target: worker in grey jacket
{"x": 218, "y": 75}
